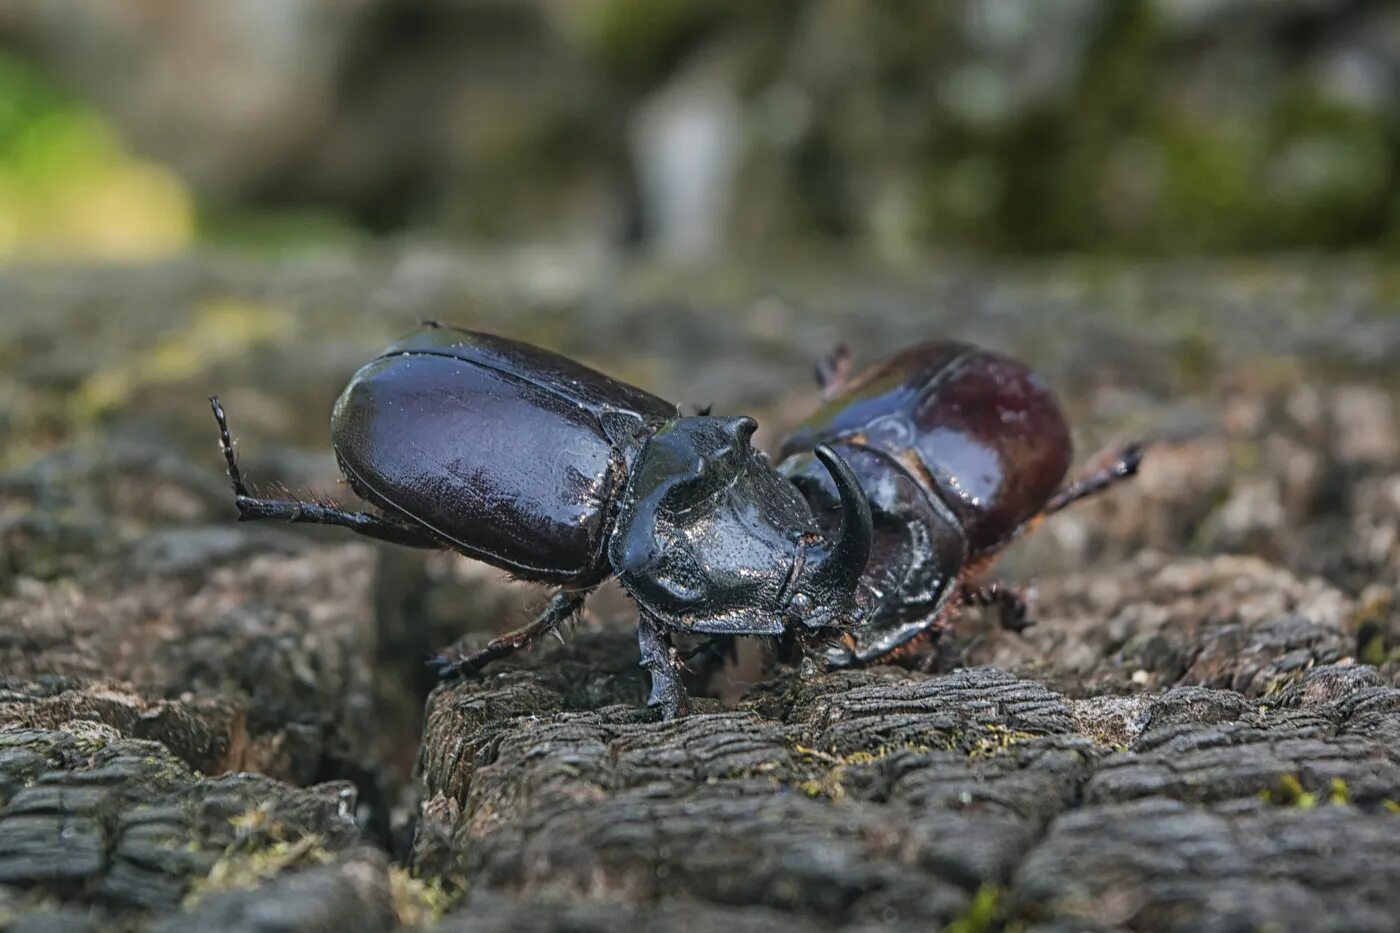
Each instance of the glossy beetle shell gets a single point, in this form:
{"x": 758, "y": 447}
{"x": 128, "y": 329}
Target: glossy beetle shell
{"x": 956, "y": 448}
{"x": 510, "y": 454}
{"x": 979, "y": 430}
{"x": 708, "y": 531}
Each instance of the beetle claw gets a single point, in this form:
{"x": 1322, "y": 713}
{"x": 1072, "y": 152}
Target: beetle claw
{"x": 444, "y": 666}
{"x": 452, "y": 664}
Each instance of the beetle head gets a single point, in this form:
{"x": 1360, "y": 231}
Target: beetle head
{"x": 711, "y": 538}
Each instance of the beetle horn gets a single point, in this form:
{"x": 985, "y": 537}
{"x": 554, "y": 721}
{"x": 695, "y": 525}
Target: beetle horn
{"x": 839, "y": 569}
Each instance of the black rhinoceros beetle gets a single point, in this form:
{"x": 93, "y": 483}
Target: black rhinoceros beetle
{"x": 547, "y": 469}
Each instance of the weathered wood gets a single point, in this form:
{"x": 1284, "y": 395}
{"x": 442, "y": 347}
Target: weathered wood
{"x": 856, "y": 796}
{"x": 207, "y": 726}
{"x": 275, "y": 640}
{"x": 88, "y": 815}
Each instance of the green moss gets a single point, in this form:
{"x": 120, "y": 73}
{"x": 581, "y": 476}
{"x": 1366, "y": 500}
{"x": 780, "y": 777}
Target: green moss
{"x": 91, "y": 736}
{"x": 419, "y": 903}
{"x": 761, "y": 769}
{"x": 244, "y": 870}
{"x": 165, "y": 771}
{"x": 982, "y": 912}
{"x": 997, "y": 738}
{"x": 1279, "y": 681}
{"x": 1289, "y": 792}
{"x": 829, "y": 783}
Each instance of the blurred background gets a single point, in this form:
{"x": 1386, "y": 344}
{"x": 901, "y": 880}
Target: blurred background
{"x": 1183, "y": 213}
{"x": 696, "y": 130}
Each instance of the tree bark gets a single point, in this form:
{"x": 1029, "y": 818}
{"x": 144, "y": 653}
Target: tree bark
{"x": 206, "y": 725}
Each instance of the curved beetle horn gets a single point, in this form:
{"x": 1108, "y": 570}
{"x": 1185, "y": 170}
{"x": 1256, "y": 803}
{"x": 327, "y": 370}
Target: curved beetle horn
{"x": 840, "y": 568}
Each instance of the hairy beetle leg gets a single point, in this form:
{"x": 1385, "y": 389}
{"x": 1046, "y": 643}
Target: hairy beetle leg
{"x": 235, "y": 475}
{"x": 312, "y": 513}
{"x": 1091, "y": 484}
{"x": 663, "y": 662}
{"x": 251, "y": 508}
{"x": 453, "y": 662}
{"x": 1010, "y": 603}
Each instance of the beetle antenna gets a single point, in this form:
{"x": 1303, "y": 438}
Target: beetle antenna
{"x": 235, "y": 475}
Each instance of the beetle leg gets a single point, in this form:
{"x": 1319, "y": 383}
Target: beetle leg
{"x": 833, "y": 371}
{"x": 713, "y": 652}
{"x": 251, "y": 508}
{"x": 453, "y": 662}
{"x": 945, "y": 654}
{"x": 1010, "y": 603}
{"x": 1091, "y": 484}
{"x": 311, "y": 513}
{"x": 662, "y": 661}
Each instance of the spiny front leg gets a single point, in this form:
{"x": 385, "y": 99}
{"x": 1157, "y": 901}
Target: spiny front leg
{"x": 453, "y": 662}
{"x": 662, "y": 661}
{"x": 251, "y": 508}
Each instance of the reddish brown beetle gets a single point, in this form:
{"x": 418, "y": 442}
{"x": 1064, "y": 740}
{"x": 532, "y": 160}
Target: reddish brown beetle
{"x": 958, "y": 450}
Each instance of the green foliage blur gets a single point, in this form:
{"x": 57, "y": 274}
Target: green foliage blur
{"x": 68, "y": 185}
{"x": 1008, "y": 126}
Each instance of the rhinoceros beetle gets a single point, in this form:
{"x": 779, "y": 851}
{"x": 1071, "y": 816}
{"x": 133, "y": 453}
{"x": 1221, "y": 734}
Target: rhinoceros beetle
{"x": 558, "y": 474}
{"x": 958, "y": 450}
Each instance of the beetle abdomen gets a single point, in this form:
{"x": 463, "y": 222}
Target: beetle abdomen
{"x": 979, "y": 430}
{"x": 516, "y": 471}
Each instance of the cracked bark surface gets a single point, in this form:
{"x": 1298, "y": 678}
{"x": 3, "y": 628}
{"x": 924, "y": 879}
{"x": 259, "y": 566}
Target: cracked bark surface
{"x": 857, "y": 798}
{"x": 265, "y": 649}
{"x": 93, "y": 817}
{"x": 212, "y": 726}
